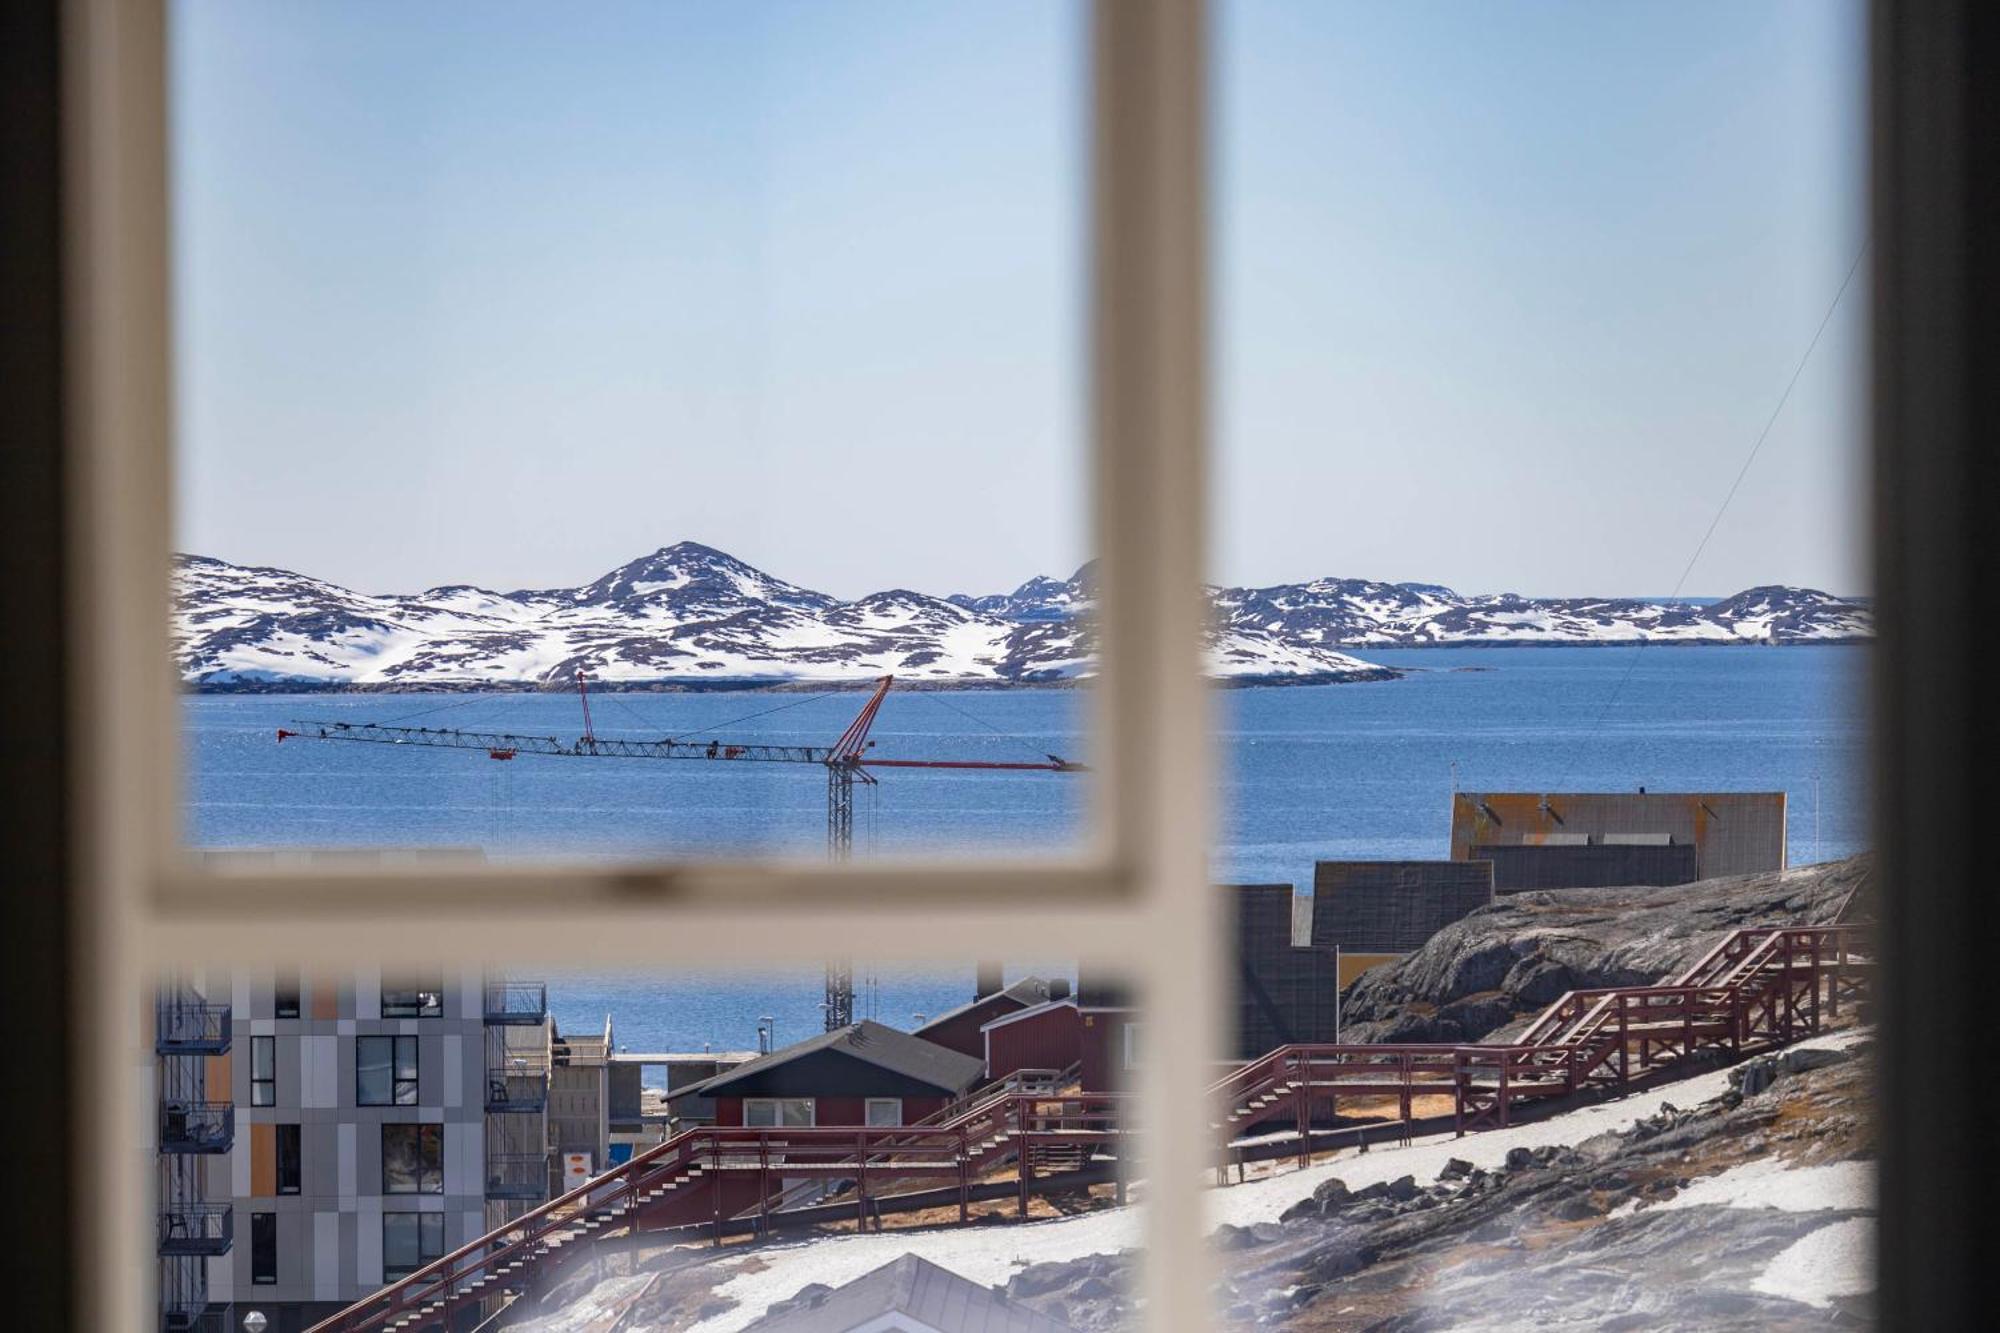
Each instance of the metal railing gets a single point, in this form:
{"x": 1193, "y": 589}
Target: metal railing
{"x": 521, "y": 1085}
{"x": 197, "y": 1127}
{"x": 517, "y": 1176}
{"x": 517, "y": 1002}
{"x": 190, "y": 1027}
{"x": 196, "y": 1229}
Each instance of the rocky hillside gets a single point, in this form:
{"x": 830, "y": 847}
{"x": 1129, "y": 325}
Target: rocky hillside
{"x": 690, "y": 615}
{"x": 1508, "y": 961}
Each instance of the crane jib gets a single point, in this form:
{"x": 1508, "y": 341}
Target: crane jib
{"x": 583, "y": 747}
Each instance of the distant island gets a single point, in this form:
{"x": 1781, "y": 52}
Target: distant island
{"x": 688, "y": 616}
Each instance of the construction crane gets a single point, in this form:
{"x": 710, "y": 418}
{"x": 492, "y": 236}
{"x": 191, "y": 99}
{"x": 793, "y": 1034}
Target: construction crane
{"x": 847, "y": 761}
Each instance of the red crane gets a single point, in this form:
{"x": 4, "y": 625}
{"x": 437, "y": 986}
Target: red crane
{"x": 847, "y": 761}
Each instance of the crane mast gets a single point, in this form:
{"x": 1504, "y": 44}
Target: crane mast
{"x": 847, "y": 762}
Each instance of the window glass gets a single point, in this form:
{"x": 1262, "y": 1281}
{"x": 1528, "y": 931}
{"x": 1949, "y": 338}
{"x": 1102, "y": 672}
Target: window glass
{"x": 778, "y": 1113}
{"x": 413, "y": 1159}
{"x": 264, "y": 1248}
{"x": 716, "y": 361}
{"x": 289, "y": 1163}
{"x": 885, "y": 1111}
{"x": 285, "y": 998}
{"x": 409, "y": 1241}
{"x": 421, "y": 997}
{"x": 263, "y": 1071}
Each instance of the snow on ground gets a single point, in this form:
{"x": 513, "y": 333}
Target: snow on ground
{"x": 992, "y": 1254}
{"x": 1821, "y": 1266}
{"x": 1770, "y": 1183}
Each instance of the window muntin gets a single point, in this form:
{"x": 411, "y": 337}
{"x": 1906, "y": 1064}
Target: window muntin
{"x": 385, "y": 1070}
{"x": 263, "y": 1071}
{"x": 413, "y": 1159}
{"x": 409, "y": 1241}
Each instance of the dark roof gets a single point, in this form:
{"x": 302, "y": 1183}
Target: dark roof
{"x": 871, "y": 1043}
{"x": 1027, "y": 991}
{"x": 916, "y": 1289}
{"x": 1393, "y": 906}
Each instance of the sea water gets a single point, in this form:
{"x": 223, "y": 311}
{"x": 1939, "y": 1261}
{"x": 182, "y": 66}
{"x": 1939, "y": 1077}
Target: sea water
{"x": 1301, "y": 772}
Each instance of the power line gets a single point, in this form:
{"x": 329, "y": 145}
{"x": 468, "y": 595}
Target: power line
{"x": 1687, "y": 570}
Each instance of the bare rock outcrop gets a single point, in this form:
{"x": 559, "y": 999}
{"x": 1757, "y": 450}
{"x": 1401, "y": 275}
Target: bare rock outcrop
{"x": 1477, "y": 977}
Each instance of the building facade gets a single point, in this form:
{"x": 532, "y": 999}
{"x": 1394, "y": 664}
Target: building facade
{"x": 378, "y": 1122}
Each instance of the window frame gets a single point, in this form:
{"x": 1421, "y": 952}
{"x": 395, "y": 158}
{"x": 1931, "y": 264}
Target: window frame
{"x": 286, "y": 995}
{"x": 264, "y": 1087}
{"x": 262, "y": 1248}
{"x": 1133, "y": 899}
{"x": 868, "y": 1112}
{"x": 778, "y": 1105}
{"x": 414, "y": 999}
{"x": 396, "y": 1080}
{"x": 294, "y": 1132}
{"x": 424, "y": 1129}
{"x": 424, "y": 1222}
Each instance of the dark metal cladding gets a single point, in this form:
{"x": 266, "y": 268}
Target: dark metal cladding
{"x": 1521, "y": 866}
{"x": 1393, "y": 906}
{"x": 1733, "y": 833}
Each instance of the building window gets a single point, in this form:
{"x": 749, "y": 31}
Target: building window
{"x": 264, "y": 1248}
{"x": 885, "y": 1111}
{"x": 285, "y": 996}
{"x": 1132, "y": 1039}
{"x": 420, "y": 997}
{"x": 413, "y": 1159}
{"x": 288, "y": 1153}
{"x": 263, "y": 1071}
{"x": 409, "y": 1241}
{"x": 385, "y": 1071}
{"x": 778, "y": 1112}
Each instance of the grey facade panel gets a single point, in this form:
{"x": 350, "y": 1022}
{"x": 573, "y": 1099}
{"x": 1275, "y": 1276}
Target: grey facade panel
{"x": 1393, "y": 906}
{"x": 1284, "y": 993}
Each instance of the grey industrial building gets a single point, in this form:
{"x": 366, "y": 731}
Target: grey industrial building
{"x": 1730, "y": 833}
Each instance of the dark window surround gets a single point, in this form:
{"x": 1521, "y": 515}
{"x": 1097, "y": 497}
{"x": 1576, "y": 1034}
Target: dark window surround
{"x": 264, "y": 1249}
{"x": 285, "y": 996}
{"x": 402, "y": 1087}
{"x": 264, "y": 1085}
{"x": 429, "y": 1228}
{"x": 429, "y": 1158}
{"x": 290, "y": 1151}
{"x": 418, "y": 997}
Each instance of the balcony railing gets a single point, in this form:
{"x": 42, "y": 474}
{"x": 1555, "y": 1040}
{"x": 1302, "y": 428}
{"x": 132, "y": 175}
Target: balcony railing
{"x": 193, "y": 1319}
{"x": 196, "y": 1228}
{"x": 197, "y": 1127}
{"x": 521, "y": 1086}
{"x": 186, "y": 1027}
{"x": 517, "y": 1003}
{"x": 517, "y": 1176}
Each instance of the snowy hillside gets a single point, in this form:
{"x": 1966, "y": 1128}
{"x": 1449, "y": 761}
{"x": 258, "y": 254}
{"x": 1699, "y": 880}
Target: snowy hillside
{"x": 686, "y": 614}
{"x": 690, "y": 614}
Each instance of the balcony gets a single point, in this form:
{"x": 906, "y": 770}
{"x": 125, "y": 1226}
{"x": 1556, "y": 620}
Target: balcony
{"x": 188, "y": 1027}
{"x": 521, "y": 1087}
{"x": 193, "y": 1319}
{"x": 517, "y": 1176}
{"x": 197, "y": 1127}
{"x": 516, "y": 1003}
{"x": 196, "y": 1228}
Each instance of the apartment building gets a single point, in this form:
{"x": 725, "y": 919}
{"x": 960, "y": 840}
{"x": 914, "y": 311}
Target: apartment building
{"x": 375, "y": 1122}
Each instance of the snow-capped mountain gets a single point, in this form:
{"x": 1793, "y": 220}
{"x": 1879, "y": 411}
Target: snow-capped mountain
{"x": 686, "y": 614}
{"x": 689, "y": 614}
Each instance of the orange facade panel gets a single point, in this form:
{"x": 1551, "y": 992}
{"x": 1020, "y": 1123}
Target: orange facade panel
{"x": 263, "y": 1160}
{"x": 1733, "y": 833}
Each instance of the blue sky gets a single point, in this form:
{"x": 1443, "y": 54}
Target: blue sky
{"x": 509, "y": 293}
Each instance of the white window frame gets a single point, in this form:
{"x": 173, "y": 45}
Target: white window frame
{"x": 777, "y": 1105}
{"x": 1134, "y": 900}
{"x": 868, "y": 1112}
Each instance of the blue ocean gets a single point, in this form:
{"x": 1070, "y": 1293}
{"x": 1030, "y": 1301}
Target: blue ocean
{"x": 1302, "y": 773}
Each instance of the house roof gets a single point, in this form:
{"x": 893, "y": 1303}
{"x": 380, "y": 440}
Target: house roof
{"x": 1032, "y": 1011}
{"x": 915, "y": 1289}
{"x": 868, "y": 1042}
{"x": 1023, "y": 993}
